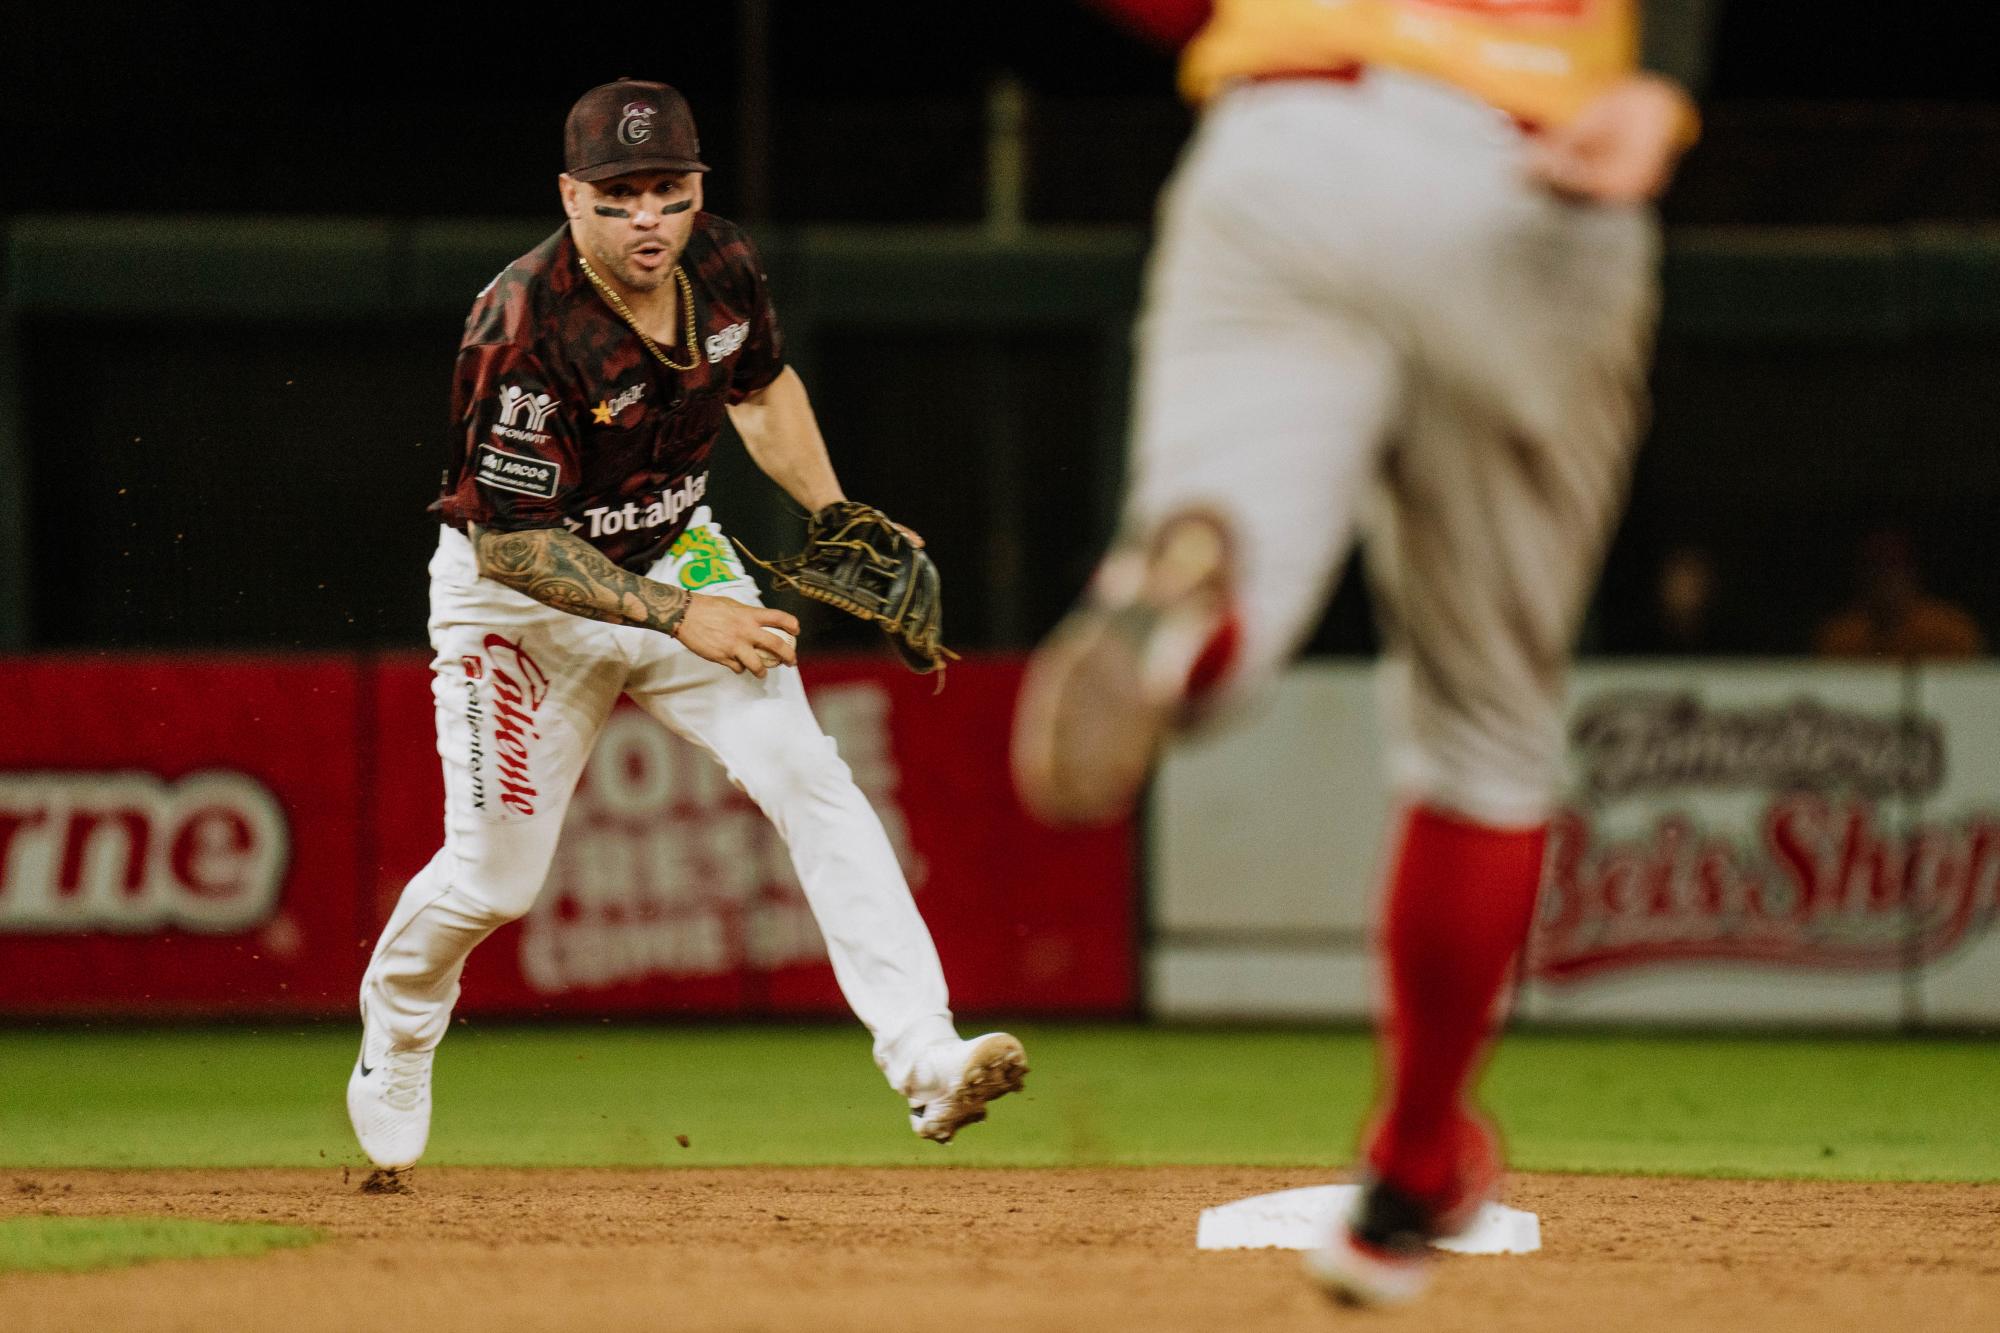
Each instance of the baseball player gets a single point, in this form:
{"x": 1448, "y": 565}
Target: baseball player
{"x": 579, "y": 560}
{"x": 1403, "y": 292}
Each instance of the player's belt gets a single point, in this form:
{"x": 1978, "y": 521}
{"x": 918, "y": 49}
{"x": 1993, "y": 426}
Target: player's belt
{"x": 1349, "y": 72}
{"x": 1353, "y": 71}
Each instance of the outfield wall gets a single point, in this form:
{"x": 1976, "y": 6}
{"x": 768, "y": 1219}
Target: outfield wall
{"x": 1740, "y": 844}
{"x": 197, "y": 836}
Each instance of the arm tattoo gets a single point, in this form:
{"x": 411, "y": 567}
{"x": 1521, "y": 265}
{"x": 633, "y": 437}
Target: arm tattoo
{"x": 564, "y": 571}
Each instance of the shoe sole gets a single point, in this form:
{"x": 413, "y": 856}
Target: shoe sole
{"x": 1085, "y": 736}
{"x": 1352, "y": 1276}
{"x": 997, "y": 1067}
{"x": 1094, "y": 710}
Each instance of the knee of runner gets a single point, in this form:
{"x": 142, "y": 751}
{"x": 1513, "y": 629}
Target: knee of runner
{"x": 1492, "y": 755}
{"x": 1497, "y": 790}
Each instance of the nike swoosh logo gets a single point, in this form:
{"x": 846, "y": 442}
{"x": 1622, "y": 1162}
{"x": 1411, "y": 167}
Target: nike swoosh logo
{"x": 365, "y": 1070}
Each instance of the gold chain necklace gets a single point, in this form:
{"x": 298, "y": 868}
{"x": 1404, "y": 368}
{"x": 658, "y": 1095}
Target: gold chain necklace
{"x": 625, "y": 313}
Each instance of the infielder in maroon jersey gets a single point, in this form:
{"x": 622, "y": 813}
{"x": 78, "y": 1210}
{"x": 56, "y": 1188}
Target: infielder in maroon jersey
{"x": 579, "y": 559}
{"x": 1403, "y": 292}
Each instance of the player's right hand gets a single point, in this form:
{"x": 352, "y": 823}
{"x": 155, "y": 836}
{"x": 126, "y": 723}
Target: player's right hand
{"x": 1622, "y": 148}
{"x": 728, "y": 632}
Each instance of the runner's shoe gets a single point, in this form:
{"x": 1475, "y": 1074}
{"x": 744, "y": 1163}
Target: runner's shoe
{"x": 1121, "y": 674}
{"x": 1383, "y": 1254}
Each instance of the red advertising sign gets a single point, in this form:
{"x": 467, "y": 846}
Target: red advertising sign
{"x": 226, "y": 836}
{"x": 178, "y": 836}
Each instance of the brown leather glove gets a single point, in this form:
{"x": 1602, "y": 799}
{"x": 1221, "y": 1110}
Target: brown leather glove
{"x": 858, "y": 559}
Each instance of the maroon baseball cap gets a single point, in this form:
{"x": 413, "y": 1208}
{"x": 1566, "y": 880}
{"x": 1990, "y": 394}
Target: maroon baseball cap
{"x": 626, "y": 126}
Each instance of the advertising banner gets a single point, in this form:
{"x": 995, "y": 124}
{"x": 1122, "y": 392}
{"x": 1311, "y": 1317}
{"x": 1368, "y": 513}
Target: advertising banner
{"x": 1769, "y": 843}
{"x": 179, "y": 837}
{"x": 1962, "y": 985}
{"x": 226, "y": 835}
{"x": 1745, "y": 845}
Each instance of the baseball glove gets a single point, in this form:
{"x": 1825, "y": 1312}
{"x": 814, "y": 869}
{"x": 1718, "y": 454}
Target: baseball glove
{"x": 857, "y": 559}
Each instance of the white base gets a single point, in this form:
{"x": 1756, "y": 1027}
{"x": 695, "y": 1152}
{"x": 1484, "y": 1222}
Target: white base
{"x": 1303, "y": 1219}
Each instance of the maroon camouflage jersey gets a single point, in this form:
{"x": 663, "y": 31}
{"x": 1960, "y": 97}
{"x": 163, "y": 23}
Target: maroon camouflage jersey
{"x": 562, "y": 418}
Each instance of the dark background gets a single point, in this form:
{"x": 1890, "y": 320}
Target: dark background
{"x": 261, "y": 483}
{"x": 1822, "y": 112}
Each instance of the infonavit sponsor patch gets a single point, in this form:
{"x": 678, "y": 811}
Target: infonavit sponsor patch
{"x": 514, "y": 472}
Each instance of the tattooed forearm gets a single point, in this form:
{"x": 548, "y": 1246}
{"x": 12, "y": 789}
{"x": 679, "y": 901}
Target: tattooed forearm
{"x": 568, "y": 573}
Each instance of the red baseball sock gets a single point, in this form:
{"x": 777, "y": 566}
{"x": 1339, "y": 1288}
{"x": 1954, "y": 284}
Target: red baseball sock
{"x": 1461, "y": 898}
{"x": 1218, "y": 657}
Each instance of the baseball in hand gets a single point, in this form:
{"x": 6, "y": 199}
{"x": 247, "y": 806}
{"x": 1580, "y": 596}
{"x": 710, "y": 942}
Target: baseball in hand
{"x": 771, "y": 659}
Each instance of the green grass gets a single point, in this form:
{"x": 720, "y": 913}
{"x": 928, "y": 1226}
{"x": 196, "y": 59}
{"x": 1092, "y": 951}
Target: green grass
{"x": 608, "y": 1095}
{"x": 74, "y": 1244}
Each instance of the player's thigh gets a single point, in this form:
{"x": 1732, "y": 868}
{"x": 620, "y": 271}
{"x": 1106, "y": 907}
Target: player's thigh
{"x": 1483, "y": 557}
{"x": 1265, "y": 407}
{"x": 520, "y": 693}
{"x": 762, "y": 732}
{"x": 1509, "y": 474}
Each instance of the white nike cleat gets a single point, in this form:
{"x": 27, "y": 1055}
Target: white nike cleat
{"x": 967, "y": 1075}
{"x": 389, "y": 1101}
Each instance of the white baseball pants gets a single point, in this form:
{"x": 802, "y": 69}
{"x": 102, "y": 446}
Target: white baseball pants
{"x": 521, "y": 690}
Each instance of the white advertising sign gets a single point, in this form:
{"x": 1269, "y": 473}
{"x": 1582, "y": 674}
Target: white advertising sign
{"x": 1771, "y": 843}
{"x": 1962, "y": 986}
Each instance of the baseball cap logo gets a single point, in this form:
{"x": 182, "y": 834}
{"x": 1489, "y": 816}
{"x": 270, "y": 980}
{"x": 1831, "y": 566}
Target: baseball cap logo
{"x": 626, "y": 126}
{"x": 637, "y": 125}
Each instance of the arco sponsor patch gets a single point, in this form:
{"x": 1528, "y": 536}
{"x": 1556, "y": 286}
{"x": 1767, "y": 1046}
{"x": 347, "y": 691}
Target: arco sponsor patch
{"x": 517, "y": 472}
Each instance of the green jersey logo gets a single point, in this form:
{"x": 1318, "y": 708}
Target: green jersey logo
{"x": 703, "y": 558}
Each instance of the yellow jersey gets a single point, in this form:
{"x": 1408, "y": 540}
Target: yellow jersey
{"x": 1539, "y": 60}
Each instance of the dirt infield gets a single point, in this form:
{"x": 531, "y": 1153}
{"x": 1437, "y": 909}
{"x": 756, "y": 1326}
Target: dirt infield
{"x": 1098, "y": 1250}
